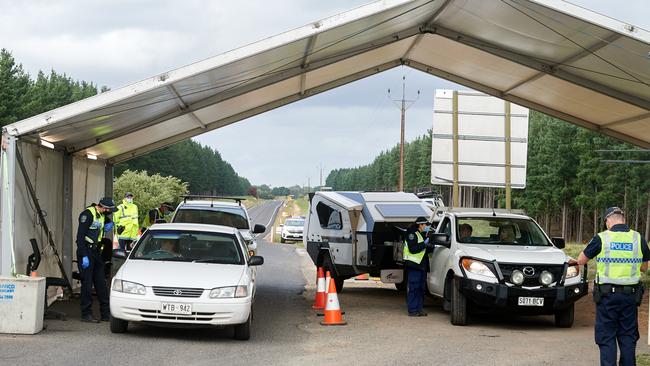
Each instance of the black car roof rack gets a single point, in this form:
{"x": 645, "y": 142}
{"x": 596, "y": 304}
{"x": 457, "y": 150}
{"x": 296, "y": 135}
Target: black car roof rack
{"x": 211, "y": 198}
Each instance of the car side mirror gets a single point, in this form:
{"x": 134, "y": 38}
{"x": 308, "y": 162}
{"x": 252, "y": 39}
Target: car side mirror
{"x": 440, "y": 239}
{"x": 256, "y": 260}
{"x": 258, "y": 229}
{"x": 119, "y": 254}
{"x": 558, "y": 242}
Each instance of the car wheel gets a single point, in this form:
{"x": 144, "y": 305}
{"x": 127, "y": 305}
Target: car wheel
{"x": 118, "y": 325}
{"x": 338, "y": 282}
{"x": 243, "y": 331}
{"x": 564, "y": 317}
{"x": 458, "y": 304}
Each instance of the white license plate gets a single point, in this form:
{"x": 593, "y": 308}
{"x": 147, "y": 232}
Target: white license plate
{"x": 176, "y": 308}
{"x": 531, "y": 301}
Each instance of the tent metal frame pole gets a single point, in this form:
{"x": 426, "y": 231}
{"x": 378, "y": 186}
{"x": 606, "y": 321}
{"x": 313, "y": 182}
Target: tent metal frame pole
{"x": 68, "y": 239}
{"x": 7, "y": 200}
{"x": 108, "y": 180}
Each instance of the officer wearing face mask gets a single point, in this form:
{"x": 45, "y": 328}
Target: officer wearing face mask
{"x": 416, "y": 262}
{"x": 126, "y": 222}
{"x": 92, "y": 227}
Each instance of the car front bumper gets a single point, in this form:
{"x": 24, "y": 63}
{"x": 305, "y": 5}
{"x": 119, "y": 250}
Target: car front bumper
{"x": 495, "y": 295}
{"x": 147, "y": 308}
{"x": 292, "y": 236}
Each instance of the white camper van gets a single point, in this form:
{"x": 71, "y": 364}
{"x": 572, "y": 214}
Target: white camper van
{"x": 351, "y": 233}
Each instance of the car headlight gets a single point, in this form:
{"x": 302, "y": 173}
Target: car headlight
{"x": 128, "y": 287}
{"x": 229, "y": 292}
{"x": 572, "y": 271}
{"x": 476, "y": 267}
{"x": 546, "y": 278}
{"x": 517, "y": 277}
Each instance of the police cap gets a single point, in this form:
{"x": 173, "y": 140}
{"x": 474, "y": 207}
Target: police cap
{"x": 107, "y": 202}
{"x": 613, "y": 211}
{"x": 421, "y": 220}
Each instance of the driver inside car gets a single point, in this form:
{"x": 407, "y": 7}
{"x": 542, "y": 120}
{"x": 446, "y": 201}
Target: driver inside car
{"x": 507, "y": 234}
{"x": 170, "y": 246}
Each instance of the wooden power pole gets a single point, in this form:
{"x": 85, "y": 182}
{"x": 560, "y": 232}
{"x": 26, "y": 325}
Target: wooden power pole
{"x": 403, "y": 106}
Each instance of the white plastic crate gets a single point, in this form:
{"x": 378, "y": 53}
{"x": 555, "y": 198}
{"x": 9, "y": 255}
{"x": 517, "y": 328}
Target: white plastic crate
{"x": 21, "y": 304}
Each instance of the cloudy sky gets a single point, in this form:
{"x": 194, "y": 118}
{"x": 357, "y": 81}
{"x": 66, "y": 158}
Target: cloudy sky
{"x": 117, "y": 42}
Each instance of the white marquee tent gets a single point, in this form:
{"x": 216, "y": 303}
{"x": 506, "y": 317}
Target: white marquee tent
{"x": 547, "y": 55}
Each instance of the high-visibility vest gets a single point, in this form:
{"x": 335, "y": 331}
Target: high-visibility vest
{"x": 127, "y": 216}
{"x": 415, "y": 258}
{"x": 147, "y": 219}
{"x": 96, "y": 230}
{"x": 620, "y": 258}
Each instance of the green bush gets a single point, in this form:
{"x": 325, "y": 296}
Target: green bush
{"x": 149, "y": 190}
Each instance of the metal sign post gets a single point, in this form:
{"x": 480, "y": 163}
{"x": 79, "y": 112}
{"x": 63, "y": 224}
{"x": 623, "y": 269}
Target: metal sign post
{"x": 507, "y": 136}
{"x": 455, "y": 194}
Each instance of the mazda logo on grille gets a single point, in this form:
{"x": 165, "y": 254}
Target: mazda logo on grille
{"x": 177, "y": 292}
{"x": 529, "y": 271}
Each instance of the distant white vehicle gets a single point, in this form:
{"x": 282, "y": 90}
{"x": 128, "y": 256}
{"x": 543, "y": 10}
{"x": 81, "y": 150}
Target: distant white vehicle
{"x": 187, "y": 274}
{"x": 292, "y": 229}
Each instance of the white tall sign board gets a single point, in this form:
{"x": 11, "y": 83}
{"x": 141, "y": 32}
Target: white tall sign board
{"x": 482, "y": 152}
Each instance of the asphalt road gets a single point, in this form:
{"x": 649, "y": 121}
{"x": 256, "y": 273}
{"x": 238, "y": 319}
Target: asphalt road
{"x": 287, "y": 332}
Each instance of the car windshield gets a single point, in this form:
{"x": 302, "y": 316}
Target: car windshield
{"x": 188, "y": 246}
{"x": 500, "y": 230}
{"x": 226, "y": 216}
{"x": 295, "y": 223}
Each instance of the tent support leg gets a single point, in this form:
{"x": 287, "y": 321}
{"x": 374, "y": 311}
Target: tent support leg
{"x": 7, "y": 199}
{"x": 68, "y": 239}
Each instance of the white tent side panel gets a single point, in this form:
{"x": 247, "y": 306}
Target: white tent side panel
{"x": 45, "y": 169}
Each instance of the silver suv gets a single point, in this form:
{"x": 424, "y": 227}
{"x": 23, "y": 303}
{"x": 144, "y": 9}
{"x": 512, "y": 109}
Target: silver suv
{"x": 217, "y": 210}
{"x": 487, "y": 258}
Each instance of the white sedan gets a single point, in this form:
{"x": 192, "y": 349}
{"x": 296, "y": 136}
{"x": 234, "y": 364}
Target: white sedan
{"x": 186, "y": 274}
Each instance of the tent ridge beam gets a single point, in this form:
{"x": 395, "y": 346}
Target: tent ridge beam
{"x": 600, "y": 43}
{"x": 254, "y": 111}
{"x": 525, "y": 102}
{"x": 426, "y": 25}
{"x": 184, "y": 106}
{"x": 535, "y": 64}
{"x": 244, "y": 89}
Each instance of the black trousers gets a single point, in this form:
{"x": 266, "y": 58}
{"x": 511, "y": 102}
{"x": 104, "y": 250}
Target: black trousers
{"x": 93, "y": 275}
{"x": 616, "y": 322}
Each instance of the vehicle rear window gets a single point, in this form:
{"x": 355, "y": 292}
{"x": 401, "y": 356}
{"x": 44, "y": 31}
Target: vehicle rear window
{"x": 188, "y": 246}
{"x": 500, "y": 230}
{"x": 226, "y": 216}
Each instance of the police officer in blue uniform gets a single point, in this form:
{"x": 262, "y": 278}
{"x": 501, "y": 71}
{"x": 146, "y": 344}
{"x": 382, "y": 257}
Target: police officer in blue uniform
{"x": 621, "y": 255}
{"x": 416, "y": 262}
{"x": 92, "y": 226}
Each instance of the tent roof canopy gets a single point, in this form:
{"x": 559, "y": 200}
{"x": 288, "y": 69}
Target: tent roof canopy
{"x": 547, "y": 55}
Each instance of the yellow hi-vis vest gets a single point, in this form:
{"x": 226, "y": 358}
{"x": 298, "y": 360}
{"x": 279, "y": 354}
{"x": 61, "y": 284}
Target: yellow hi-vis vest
{"x": 97, "y": 226}
{"x": 146, "y": 223}
{"x": 415, "y": 258}
{"x": 620, "y": 258}
{"x": 127, "y": 216}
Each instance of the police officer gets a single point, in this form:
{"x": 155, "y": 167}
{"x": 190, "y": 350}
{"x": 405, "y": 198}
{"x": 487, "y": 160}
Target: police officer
{"x": 126, "y": 222}
{"x": 156, "y": 214}
{"x": 621, "y": 255}
{"x": 416, "y": 262}
{"x": 91, "y": 266}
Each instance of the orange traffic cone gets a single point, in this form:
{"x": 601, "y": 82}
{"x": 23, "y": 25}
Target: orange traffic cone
{"x": 333, "y": 314}
{"x": 362, "y": 277}
{"x": 321, "y": 295}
